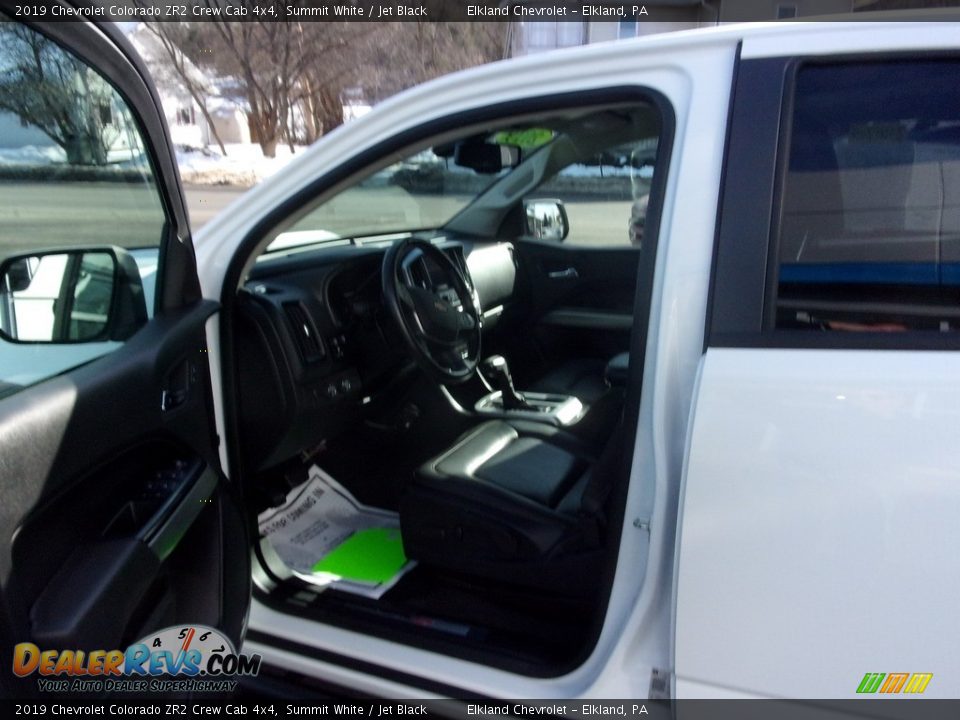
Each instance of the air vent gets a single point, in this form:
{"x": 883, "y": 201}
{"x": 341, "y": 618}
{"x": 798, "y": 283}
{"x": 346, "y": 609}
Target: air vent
{"x": 304, "y": 332}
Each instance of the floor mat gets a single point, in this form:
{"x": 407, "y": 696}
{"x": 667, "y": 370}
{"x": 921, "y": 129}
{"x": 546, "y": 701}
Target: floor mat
{"x": 328, "y": 538}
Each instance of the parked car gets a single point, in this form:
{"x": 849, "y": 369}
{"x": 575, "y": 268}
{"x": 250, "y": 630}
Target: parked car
{"x": 717, "y": 460}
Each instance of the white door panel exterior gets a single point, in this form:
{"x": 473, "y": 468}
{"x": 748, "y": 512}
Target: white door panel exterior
{"x": 819, "y": 527}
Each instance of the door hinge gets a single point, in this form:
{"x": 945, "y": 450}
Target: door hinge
{"x": 659, "y": 685}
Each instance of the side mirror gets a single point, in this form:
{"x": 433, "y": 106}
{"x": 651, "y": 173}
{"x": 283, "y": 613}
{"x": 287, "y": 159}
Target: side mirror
{"x": 20, "y": 273}
{"x": 546, "y": 220}
{"x": 71, "y": 296}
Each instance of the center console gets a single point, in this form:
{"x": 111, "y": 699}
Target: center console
{"x": 561, "y": 410}
{"x": 506, "y": 402}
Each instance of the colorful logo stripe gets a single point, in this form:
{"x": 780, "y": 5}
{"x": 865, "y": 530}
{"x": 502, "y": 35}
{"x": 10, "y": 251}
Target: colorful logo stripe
{"x": 918, "y": 682}
{"x": 893, "y": 683}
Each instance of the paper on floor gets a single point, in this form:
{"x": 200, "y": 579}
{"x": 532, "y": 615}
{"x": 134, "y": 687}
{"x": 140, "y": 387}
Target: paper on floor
{"x": 317, "y": 518}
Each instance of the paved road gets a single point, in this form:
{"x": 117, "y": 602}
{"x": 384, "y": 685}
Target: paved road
{"x": 205, "y": 201}
{"x": 34, "y": 215}
{"x": 592, "y": 223}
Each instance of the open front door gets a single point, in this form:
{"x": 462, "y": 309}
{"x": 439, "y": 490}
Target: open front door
{"x": 116, "y": 521}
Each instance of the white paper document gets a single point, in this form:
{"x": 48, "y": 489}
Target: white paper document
{"x": 315, "y": 519}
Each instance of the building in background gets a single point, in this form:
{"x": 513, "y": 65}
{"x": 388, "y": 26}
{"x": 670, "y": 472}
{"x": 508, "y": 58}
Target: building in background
{"x": 527, "y": 38}
{"x": 188, "y": 126}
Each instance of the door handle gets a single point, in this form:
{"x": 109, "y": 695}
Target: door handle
{"x": 176, "y": 388}
{"x": 569, "y": 274}
{"x": 170, "y": 399}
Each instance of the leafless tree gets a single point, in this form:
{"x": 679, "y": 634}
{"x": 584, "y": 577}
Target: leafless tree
{"x": 256, "y": 59}
{"x": 282, "y": 68}
{"x": 289, "y": 71}
{"x": 337, "y": 51}
{"x": 410, "y": 53}
{"x": 176, "y": 39}
{"x": 259, "y": 58}
{"x": 57, "y": 93}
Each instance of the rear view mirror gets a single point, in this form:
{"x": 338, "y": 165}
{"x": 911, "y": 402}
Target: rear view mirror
{"x": 71, "y": 296}
{"x": 484, "y": 157}
{"x": 546, "y": 220}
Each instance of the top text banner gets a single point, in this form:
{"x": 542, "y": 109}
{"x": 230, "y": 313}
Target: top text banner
{"x": 383, "y": 11}
{"x": 334, "y": 10}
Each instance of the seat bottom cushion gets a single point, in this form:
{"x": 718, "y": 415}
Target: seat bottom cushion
{"x": 532, "y": 468}
{"x": 497, "y": 504}
{"x": 496, "y": 459}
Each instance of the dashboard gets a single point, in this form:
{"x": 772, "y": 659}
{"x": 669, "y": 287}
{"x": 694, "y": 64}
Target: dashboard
{"x": 316, "y": 345}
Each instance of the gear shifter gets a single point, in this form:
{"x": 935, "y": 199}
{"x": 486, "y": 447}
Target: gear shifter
{"x": 497, "y": 373}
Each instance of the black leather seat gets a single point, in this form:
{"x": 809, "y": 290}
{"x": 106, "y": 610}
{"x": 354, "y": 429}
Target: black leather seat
{"x": 582, "y": 378}
{"x": 516, "y": 501}
{"x": 587, "y": 379}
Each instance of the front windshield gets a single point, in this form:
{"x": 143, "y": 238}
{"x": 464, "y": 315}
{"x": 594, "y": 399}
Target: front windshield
{"x": 420, "y": 192}
{"x": 597, "y": 162}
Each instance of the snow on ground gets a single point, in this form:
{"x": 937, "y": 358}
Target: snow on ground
{"x": 243, "y": 165}
{"x": 32, "y": 155}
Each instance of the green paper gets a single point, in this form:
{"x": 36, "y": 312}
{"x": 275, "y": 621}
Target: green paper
{"x": 372, "y": 556}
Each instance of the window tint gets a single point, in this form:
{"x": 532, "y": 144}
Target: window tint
{"x": 74, "y": 173}
{"x": 870, "y": 228}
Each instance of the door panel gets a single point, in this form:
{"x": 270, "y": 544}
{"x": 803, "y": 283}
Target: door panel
{"x": 115, "y": 516}
{"x": 581, "y": 304}
{"x": 114, "y": 497}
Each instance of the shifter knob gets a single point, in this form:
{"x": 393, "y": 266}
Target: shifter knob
{"x": 497, "y": 373}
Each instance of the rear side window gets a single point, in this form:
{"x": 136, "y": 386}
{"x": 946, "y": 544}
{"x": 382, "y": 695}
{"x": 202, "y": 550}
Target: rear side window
{"x": 869, "y": 229}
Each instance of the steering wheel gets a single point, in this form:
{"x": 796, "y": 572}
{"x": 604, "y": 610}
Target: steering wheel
{"x": 435, "y": 308}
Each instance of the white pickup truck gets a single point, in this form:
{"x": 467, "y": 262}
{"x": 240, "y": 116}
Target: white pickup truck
{"x": 649, "y": 349}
